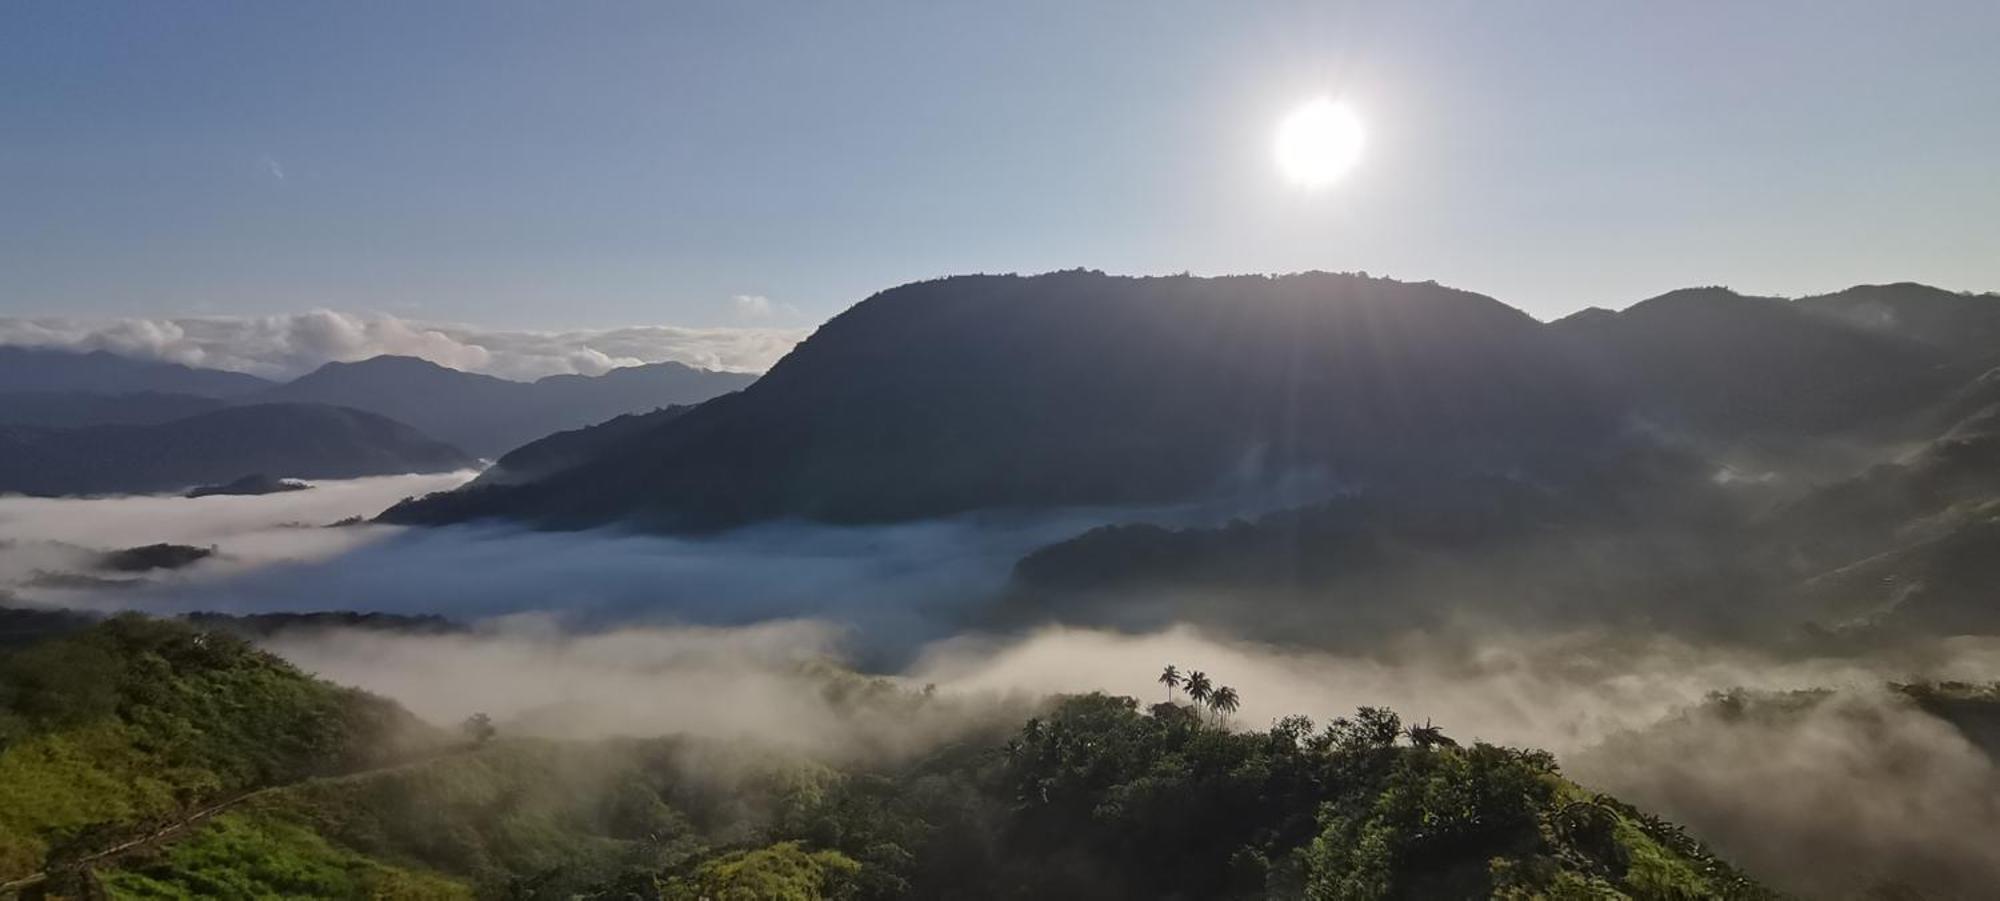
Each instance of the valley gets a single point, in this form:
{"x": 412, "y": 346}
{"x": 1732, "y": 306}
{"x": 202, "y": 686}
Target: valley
{"x": 1625, "y": 577}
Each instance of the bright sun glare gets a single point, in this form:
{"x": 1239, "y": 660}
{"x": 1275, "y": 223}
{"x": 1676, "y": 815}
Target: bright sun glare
{"x": 1319, "y": 142}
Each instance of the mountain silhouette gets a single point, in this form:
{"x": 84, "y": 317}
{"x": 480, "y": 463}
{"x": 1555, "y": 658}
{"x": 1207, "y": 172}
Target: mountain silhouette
{"x": 1728, "y": 366}
{"x": 69, "y": 409}
{"x": 1081, "y": 388}
{"x": 100, "y": 372}
{"x": 555, "y": 453}
{"x": 312, "y": 441}
{"x": 489, "y": 416}
{"x": 1964, "y": 326}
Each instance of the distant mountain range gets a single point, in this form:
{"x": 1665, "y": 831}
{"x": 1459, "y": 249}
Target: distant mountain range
{"x": 312, "y": 441}
{"x": 50, "y": 390}
{"x": 489, "y": 416}
{"x": 1702, "y": 455}
{"x": 99, "y": 372}
{"x": 71, "y": 408}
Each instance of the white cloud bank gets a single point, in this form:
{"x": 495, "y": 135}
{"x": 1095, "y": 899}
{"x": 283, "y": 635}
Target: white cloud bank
{"x": 290, "y": 345}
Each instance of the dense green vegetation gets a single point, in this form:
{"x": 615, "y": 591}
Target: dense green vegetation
{"x": 120, "y": 731}
{"x": 1099, "y": 799}
{"x": 241, "y": 856}
{"x": 135, "y": 720}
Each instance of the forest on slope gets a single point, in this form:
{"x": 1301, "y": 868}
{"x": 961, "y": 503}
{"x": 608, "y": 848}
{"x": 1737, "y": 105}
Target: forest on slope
{"x": 257, "y": 780}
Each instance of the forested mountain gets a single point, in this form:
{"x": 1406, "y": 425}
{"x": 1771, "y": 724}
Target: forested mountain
{"x": 100, "y": 372}
{"x": 555, "y": 453}
{"x": 1081, "y": 388}
{"x": 1649, "y": 541}
{"x": 312, "y": 441}
{"x": 1965, "y": 326}
{"x": 69, "y": 409}
{"x": 485, "y": 415}
{"x": 252, "y": 779}
{"x": 1703, "y": 459}
{"x": 1724, "y": 366}
{"x": 1665, "y": 538}
{"x": 489, "y": 416}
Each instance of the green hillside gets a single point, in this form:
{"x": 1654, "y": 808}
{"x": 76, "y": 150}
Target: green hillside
{"x": 121, "y": 731}
{"x": 134, "y": 722}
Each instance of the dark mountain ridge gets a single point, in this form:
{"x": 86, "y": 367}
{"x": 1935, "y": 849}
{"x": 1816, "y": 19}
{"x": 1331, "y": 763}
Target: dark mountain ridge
{"x": 1725, "y": 366}
{"x": 312, "y": 441}
{"x": 488, "y": 415}
{"x": 1588, "y": 469}
{"x": 1964, "y": 326}
{"x": 71, "y": 409}
{"x": 101, "y": 372}
{"x": 1082, "y": 388}
{"x": 481, "y": 413}
{"x": 549, "y": 455}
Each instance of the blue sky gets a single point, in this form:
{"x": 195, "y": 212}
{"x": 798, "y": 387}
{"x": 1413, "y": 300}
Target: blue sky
{"x": 588, "y": 165}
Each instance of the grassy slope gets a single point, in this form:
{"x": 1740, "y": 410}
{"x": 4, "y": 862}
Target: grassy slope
{"x": 246, "y": 856}
{"x": 132, "y": 722}
{"x": 519, "y": 817}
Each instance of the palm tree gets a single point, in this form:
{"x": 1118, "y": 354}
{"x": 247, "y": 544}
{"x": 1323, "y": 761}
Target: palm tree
{"x": 1428, "y": 736}
{"x": 1171, "y": 678}
{"x": 1197, "y": 686}
{"x": 1223, "y": 701}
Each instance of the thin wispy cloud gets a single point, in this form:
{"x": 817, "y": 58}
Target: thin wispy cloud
{"x": 759, "y": 307}
{"x": 289, "y": 345}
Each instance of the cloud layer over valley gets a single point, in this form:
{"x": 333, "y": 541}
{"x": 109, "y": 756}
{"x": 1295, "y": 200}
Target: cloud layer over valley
{"x": 753, "y": 634}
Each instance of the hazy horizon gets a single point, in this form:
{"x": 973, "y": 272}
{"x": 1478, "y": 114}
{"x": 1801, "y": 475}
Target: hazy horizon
{"x": 284, "y": 346}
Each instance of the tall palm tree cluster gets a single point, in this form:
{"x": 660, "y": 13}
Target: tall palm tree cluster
{"x": 1221, "y": 701}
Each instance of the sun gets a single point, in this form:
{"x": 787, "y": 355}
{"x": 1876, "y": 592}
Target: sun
{"x": 1319, "y": 142}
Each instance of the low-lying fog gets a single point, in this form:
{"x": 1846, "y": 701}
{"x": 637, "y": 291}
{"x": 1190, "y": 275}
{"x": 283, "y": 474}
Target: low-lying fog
{"x": 600, "y": 633}
{"x": 892, "y": 587}
{"x": 45, "y": 539}
{"x": 1860, "y": 788}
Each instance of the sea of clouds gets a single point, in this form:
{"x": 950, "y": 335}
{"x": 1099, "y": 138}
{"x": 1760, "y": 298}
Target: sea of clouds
{"x": 600, "y": 633}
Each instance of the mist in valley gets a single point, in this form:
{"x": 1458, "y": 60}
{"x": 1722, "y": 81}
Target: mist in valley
{"x": 874, "y": 646}
{"x": 1860, "y": 786}
{"x": 886, "y": 589}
